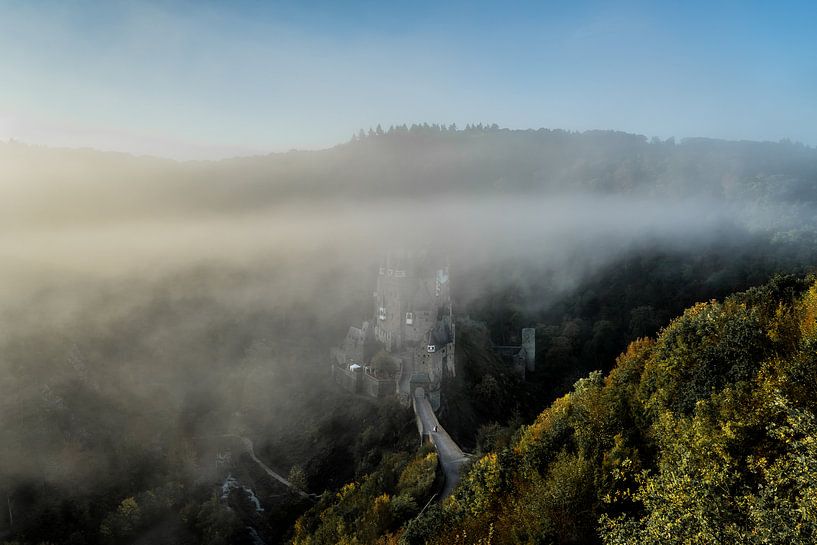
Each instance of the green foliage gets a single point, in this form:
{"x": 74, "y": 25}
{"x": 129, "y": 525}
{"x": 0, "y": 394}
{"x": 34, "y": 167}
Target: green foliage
{"x": 585, "y": 328}
{"x": 297, "y": 477}
{"x": 124, "y": 522}
{"x": 215, "y": 523}
{"x": 705, "y": 435}
{"x": 420, "y": 529}
{"x": 707, "y": 489}
{"x": 739, "y": 466}
{"x": 365, "y": 511}
{"x": 384, "y": 364}
{"x": 493, "y": 437}
{"x": 710, "y": 346}
{"x": 487, "y": 391}
{"x": 417, "y": 479}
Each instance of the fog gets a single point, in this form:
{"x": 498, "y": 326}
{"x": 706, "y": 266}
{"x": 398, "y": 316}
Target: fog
{"x": 287, "y": 251}
{"x": 148, "y": 307}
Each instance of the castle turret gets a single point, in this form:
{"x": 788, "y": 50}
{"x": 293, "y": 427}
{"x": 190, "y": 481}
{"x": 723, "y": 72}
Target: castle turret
{"x": 529, "y": 346}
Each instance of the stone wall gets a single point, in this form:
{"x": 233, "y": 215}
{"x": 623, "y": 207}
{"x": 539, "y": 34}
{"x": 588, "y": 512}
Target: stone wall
{"x": 375, "y": 387}
{"x": 347, "y": 379}
{"x": 358, "y": 382}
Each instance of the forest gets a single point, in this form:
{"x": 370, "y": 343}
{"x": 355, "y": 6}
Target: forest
{"x": 703, "y": 434}
{"x": 153, "y": 312}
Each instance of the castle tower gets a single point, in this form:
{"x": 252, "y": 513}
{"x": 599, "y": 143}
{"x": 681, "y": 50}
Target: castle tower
{"x": 412, "y": 296}
{"x": 392, "y": 312}
{"x": 529, "y": 345}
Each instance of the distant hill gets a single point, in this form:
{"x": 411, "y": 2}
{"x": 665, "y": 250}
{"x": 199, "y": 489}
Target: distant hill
{"x": 422, "y": 162}
{"x": 147, "y": 306}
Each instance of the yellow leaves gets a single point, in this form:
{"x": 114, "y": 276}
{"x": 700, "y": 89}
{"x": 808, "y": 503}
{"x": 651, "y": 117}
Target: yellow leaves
{"x": 620, "y": 468}
{"x": 381, "y": 512}
{"x": 382, "y": 501}
{"x": 489, "y": 460}
{"x": 695, "y": 309}
{"x": 486, "y": 470}
{"x": 482, "y": 484}
{"x": 299, "y": 526}
{"x": 347, "y": 489}
{"x": 452, "y": 504}
{"x": 808, "y": 313}
{"x": 701, "y": 398}
{"x": 371, "y": 509}
{"x": 418, "y": 476}
{"x": 545, "y": 422}
{"x": 784, "y": 327}
{"x": 463, "y": 537}
{"x": 129, "y": 507}
{"x": 127, "y": 518}
{"x": 632, "y": 359}
{"x": 389, "y": 539}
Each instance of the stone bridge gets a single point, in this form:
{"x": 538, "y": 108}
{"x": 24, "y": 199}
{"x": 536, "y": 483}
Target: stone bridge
{"x": 450, "y": 455}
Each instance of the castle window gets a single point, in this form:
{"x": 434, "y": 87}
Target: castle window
{"x": 409, "y": 318}
{"x": 381, "y": 313}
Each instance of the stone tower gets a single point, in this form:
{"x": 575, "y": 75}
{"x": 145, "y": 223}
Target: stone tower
{"x": 411, "y": 296}
{"x": 529, "y": 346}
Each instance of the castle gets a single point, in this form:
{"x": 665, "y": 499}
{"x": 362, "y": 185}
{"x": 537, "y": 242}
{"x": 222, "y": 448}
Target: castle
{"x": 410, "y": 340}
{"x": 522, "y": 358}
{"x": 412, "y": 321}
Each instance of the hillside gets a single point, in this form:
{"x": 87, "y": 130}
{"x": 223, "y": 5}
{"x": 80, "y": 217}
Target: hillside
{"x": 422, "y": 162}
{"x": 408, "y": 273}
{"x": 151, "y": 311}
{"x": 705, "y": 434}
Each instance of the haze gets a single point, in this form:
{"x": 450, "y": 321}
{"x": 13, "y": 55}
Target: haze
{"x": 208, "y": 80}
{"x": 195, "y": 197}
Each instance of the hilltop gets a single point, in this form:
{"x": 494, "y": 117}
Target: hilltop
{"x": 422, "y": 162}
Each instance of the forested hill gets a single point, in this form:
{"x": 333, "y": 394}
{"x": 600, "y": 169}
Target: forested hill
{"x": 434, "y": 159}
{"x": 148, "y": 308}
{"x": 705, "y": 434}
{"x": 421, "y": 162}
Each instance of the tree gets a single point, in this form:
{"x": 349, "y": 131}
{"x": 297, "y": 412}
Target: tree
{"x": 124, "y": 522}
{"x": 297, "y": 477}
{"x": 383, "y": 364}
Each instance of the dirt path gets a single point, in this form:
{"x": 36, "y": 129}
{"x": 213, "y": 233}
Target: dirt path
{"x": 248, "y": 445}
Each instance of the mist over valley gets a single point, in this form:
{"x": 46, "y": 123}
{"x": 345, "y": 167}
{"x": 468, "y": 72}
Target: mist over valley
{"x": 267, "y": 275}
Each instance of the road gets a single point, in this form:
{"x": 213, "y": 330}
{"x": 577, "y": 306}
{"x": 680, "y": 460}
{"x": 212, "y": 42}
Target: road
{"x": 251, "y": 451}
{"x": 450, "y": 455}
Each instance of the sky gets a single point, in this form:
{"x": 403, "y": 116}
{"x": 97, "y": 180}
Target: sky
{"x": 207, "y": 80}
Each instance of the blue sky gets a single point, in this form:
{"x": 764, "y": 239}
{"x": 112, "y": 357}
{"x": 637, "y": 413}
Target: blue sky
{"x": 212, "y": 79}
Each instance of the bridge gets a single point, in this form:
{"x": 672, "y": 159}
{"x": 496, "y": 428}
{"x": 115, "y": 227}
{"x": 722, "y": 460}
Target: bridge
{"x": 450, "y": 455}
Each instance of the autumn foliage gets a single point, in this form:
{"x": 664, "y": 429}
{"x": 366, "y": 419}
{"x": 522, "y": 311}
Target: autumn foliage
{"x": 706, "y": 434}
